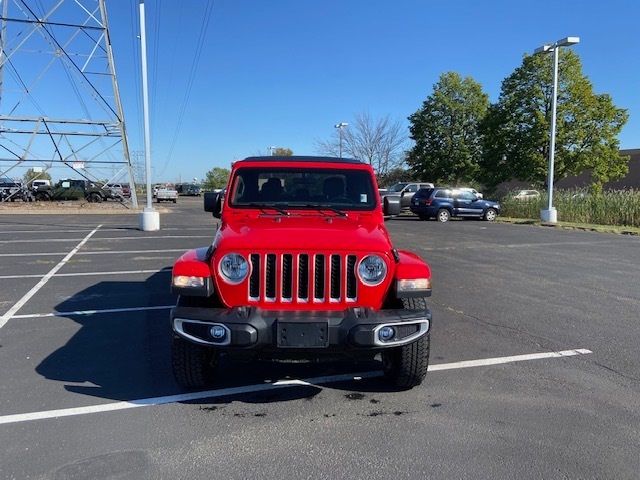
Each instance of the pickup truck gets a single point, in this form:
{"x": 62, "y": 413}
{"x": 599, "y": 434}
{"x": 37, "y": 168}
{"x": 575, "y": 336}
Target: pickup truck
{"x": 166, "y": 194}
{"x": 301, "y": 267}
{"x": 401, "y": 193}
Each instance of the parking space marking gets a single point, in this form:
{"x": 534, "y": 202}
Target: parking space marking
{"x": 48, "y": 240}
{"x": 85, "y": 274}
{"x": 101, "y": 252}
{"x": 226, "y": 392}
{"x": 27, "y": 296}
{"x": 82, "y": 230}
{"x": 93, "y": 312}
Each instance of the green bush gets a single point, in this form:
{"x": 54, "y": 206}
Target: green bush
{"x": 620, "y": 207}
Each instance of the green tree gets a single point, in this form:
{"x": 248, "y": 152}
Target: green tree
{"x": 448, "y": 144}
{"x": 516, "y": 128}
{"x": 31, "y": 175}
{"x": 217, "y": 177}
{"x": 282, "y": 152}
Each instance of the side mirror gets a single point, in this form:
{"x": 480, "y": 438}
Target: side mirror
{"x": 391, "y": 206}
{"x": 213, "y": 203}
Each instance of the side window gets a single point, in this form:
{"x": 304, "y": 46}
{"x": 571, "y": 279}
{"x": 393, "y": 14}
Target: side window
{"x": 66, "y": 184}
{"x": 413, "y": 188}
{"x": 443, "y": 194}
{"x": 466, "y": 196}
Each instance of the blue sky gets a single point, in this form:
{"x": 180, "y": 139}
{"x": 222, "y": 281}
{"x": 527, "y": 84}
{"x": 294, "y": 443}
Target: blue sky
{"x": 283, "y": 72}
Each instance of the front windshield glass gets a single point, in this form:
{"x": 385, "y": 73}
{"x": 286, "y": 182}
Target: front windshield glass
{"x": 303, "y": 188}
{"x": 397, "y": 187}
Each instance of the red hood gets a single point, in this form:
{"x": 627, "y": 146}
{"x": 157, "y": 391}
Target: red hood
{"x": 356, "y": 233}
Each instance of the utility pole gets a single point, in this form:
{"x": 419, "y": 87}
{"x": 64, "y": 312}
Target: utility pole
{"x": 149, "y": 218}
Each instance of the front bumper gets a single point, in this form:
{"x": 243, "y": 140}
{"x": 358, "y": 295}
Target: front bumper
{"x": 249, "y": 328}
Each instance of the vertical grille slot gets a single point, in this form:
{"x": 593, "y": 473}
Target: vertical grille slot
{"x": 318, "y": 278}
{"x": 287, "y": 275}
{"x": 270, "y": 274}
{"x": 336, "y": 264}
{"x": 303, "y": 276}
{"x": 351, "y": 277}
{"x": 254, "y": 280}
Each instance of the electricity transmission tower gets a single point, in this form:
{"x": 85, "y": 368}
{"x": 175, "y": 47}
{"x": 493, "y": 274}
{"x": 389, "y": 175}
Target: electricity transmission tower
{"x": 59, "y": 99}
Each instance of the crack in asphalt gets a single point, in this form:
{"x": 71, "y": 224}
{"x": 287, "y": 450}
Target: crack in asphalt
{"x": 505, "y": 327}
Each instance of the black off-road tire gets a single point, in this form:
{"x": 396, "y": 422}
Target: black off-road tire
{"x": 193, "y": 365}
{"x": 406, "y": 366}
{"x": 94, "y": 198}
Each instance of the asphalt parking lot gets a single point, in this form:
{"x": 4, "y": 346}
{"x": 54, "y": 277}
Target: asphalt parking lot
{"x": 86, "y": 389}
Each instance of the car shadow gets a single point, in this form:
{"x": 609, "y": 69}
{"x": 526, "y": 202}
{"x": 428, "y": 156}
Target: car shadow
{"x": 127, "y": 355}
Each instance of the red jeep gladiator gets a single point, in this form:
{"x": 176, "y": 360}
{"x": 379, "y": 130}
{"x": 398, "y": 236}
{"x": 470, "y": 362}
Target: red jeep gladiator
{"x": 301, "y": 267}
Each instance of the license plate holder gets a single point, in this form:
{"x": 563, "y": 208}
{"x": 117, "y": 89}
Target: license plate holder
{"x": 303, "y": 334}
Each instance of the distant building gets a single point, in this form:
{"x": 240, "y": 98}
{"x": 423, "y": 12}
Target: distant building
{"x": 630, "y": 181}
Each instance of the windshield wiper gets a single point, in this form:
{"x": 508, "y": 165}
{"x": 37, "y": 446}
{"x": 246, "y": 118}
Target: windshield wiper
{"x": 335, "y": 210}
{"x": 270, "y": 206}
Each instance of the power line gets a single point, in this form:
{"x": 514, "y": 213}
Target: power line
{"x": 192, "y": 75}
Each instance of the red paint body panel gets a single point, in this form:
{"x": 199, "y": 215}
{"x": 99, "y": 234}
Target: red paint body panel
{"x": 411, "y": 266}
{"x": 248, "y": 231}
{"x": 193, "y": 264}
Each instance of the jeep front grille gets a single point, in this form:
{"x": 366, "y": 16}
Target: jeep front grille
{"x": 303, "y": 278}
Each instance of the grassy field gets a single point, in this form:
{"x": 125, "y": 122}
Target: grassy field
{"x": 609, "y": 208}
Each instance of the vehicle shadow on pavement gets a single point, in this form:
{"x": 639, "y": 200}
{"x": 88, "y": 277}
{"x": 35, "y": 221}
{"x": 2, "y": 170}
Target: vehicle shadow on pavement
{"x": 127, "y": 355}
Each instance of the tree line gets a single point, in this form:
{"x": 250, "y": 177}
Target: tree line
{"x": 460, "y": 137}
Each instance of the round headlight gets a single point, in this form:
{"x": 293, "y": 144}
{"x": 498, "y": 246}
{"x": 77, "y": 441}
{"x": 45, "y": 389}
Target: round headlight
{"x": 372, "y": 270}
{"x": 234, "y": 268}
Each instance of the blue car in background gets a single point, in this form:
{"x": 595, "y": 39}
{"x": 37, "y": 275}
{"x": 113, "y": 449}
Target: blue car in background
{"x": 442, "y": 203}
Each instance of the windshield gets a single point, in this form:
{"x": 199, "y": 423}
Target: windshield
{"x": 397, "y": 187}
{"x": 303, "y": 188}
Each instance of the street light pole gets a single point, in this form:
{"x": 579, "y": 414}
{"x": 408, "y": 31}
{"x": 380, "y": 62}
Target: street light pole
{"x": 550, "y": 215}
{"x": 340, "y": 126}
{"x": 149, "y": 219}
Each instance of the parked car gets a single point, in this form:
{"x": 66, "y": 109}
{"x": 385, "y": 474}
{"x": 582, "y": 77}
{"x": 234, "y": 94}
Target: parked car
{"x": 301, "y": 267}
{"x": 527, "y": 195}
{"x": 403, "y": 192}
{"x": 442, "y": 203}
{"x": 35, "y": 184}
{"x": 166, "y": 194}
{"x": 470, "y": 190}
{"x": 188, "y": 189}
{"x": 74, "y": 189}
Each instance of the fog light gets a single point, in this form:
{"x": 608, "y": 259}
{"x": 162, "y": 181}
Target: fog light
{"x": 386, "y": 333}
{"x": 218, "y": 332}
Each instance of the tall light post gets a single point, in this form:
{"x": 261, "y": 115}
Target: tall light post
{"x": 340, "y": 126}
{"x": 550, "y": 215}
{"x": 149, "y": 218}
{"x": 271, "y": 149}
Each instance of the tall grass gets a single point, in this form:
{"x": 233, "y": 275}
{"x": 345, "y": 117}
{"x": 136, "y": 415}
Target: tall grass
{"x": 620, "y": 207}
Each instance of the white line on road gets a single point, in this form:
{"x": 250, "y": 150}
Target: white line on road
{"x": 98, "y": 252}
{"x": 124, "y": 229}
{"x": 150, "y": 237}
{"x": 226, "y": 392}
{"x": 27, "y": 296}
{"x": 93, "y": 312}
{"x": 84, "y": 274}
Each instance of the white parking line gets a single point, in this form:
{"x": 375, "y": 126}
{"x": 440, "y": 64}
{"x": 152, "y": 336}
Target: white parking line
{"x": 82, "y": 230}
{"x": 84, "y": 274}
{"x": 93, "y": 312}
{"x": 27, "y": 296}
{"x": 98, "y": 252}
{"x": 226, "y": 392}
{"x": 151, "y": 237}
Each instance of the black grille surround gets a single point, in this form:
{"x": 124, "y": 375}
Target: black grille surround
{"x": 303, "y": 278}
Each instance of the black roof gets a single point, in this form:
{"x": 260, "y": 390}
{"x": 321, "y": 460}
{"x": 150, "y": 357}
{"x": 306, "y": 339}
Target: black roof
{"x": 300, "y": 158}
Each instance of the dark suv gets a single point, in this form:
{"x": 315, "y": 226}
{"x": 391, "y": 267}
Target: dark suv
{"x": 443, "y": 203}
